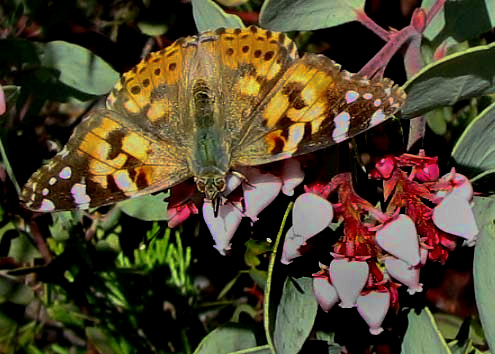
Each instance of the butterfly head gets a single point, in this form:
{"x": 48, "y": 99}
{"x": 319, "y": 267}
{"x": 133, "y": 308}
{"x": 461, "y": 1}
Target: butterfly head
{"x": 212, "y": 185}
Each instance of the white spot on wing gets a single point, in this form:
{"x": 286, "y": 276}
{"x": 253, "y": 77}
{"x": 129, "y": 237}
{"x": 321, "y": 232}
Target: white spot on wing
{"x": 377, "y": 102}
{"x": 377, "y": 117}
{"x": 80, "y": 196}
{"x": 368, "y": 96}
{"x": 52, "y": 181}
{"x": 45, "y": 191}
{"x": 342, "y": 122}
{"x": 65, "y": 173}
{"x": 351, "y": 96}
{"x": 47, "y": 205}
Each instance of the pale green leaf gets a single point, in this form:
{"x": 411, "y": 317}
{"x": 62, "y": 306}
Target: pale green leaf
{"x": 79, "y": 68}
{"x": 484, "y": 264}
{"x": 147, "y": 208}
{"x": 227, "y": 339}
{"x": 458, "y": 76}
{"x": 475, "y": 149}
{"x": 208, "y": 16}
{"x": 307, "y": 15}
{"x": 295, "y": 315}
{"x": 422, "y": 335}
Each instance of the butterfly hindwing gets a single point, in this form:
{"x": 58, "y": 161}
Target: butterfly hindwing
{"x": 312, "y": 106}
{"x": 107, "y": 159}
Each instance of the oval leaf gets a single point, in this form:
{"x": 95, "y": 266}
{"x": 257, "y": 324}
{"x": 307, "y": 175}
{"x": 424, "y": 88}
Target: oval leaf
{"x": 147, "y": 207}
{"x": 307, "y": 15}
{"x": 227, "y": 339}
{"x": 475, "y": 148}
{"x": 459, "y": 76}
{"x": 209, "y": 16}
{"x": 422, "y": 335}
{"x": 295, "y": 315}
{"x": 484, "y": 263}
{"x": 79, "y": 68}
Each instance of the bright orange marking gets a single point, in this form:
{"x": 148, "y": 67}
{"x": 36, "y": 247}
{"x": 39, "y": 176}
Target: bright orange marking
{"x": 136, "y": 145}
{"x": 275, "y": 108}
{"x": 249, "y": 85}
{"x": 106, "y": 127}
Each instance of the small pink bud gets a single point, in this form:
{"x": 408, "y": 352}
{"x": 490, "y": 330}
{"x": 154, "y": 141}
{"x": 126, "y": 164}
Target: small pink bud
{"x": 373, "y": 308}
{"x": 325, "y": 293}
{"x": 224, "y": 225}
{"x": 348, "y": 279}
{"x": 455, "y": 216}
{"x": 178, "y": 214}
{"x": 311, "y": 214}
{"x": 399, "y": 238}
{"x": 400, "y": 270}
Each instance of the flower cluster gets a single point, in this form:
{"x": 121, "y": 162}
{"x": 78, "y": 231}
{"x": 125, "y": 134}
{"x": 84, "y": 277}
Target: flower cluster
{"x": 378, "y": 250}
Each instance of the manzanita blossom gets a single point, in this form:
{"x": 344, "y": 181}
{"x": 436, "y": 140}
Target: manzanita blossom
{"x": 377, "y": 246}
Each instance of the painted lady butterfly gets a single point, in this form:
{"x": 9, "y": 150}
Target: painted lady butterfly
{"x": 203, "y": 107}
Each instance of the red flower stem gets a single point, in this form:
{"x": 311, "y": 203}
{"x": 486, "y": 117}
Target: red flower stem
{"x": 370, "y": 24}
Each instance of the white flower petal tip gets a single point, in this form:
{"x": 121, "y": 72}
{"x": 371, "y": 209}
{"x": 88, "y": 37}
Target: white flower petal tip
{"x": 292, "y": 176}
{"x": 455, "y": 216}
{"x": 291, "y": 246}
{"x": 311, "y": 214}
{"x": 224, "y": 225}
{"x": 348, "y": 279}
{"x": 401, "y": 271}
{"x": 259, "y": 192}
{"x": 373, "y": 308}
{"x": 325, "y": 293}
{"x": 399, "y": 238}
{"x": 464, "y": 188}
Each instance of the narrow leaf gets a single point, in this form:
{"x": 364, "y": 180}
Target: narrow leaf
{"x": 458, "y": 76}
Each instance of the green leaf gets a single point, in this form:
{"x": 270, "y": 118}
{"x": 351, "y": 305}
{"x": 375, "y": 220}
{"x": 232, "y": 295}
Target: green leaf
{"x": 438, "y": 22}
{"x": 422, "y": 335}
{"x": 295, "y": 315}
{"x": 307, "y": 15}
{"x": 484, "y": 263}
{"x": 456, "y": 77}
{"x": 264, "y": 349}
{"x": 227, "y": 339}
{"x": 208, "y": 16}
{"x": 102, "y": 341}
{"x": 475, "y": 148}
{"x": 147, "y": 207}
{"x": 79, "y": 68}
{"x": 152, "y": 29}
{"x": 465, "y": 20}
{"x": 15, "y": 291}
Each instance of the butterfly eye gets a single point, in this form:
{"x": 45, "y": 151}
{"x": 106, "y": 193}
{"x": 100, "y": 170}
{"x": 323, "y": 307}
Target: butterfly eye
{"x": 220, "y": 183}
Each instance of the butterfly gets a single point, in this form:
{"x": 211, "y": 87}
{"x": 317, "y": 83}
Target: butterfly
{"x": 201, "y": 108}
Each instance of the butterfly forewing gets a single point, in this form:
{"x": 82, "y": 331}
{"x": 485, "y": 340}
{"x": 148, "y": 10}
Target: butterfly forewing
{"x": 107, "y": 159}
{"x": 312, "y": 106}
